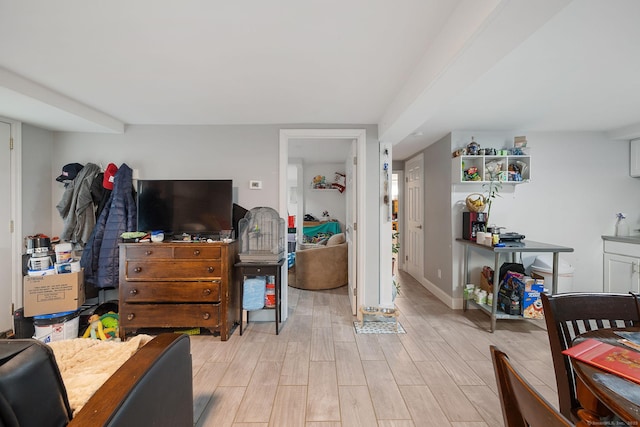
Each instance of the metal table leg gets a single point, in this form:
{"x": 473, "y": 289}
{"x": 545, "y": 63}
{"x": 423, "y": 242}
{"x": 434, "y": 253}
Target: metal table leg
{"x": 466, "y": 276}
{"x": 496, "y": 288}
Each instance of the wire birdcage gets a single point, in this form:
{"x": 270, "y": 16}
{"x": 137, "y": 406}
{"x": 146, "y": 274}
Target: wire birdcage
{"x": 261, "y": 236}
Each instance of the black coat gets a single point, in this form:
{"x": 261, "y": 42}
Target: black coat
{"x": 100, "y": 259}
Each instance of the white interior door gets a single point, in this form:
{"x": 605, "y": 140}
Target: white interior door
{"x": 414, "y": 212}
{"x": 350, "y": 229}
{"x": 6, "y": 282}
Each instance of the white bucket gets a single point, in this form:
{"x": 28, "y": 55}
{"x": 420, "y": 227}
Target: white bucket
{"x": 39, "y": 263}
{"x": 64, "y": 252}
{"x": 543, "y": 266}
{"x": 56, "y": 327}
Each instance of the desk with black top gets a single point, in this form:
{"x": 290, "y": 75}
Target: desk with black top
{"x": 527, "y": 246}
{"x": 260, "y": 269}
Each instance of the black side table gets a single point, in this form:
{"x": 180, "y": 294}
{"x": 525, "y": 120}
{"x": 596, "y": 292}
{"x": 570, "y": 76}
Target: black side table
{"x": 260, "y": 269}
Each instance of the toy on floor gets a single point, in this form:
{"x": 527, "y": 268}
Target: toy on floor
{"x": 103, "y": 327}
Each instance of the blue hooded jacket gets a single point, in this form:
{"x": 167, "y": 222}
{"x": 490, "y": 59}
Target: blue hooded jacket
{"x": 100, "y": 258}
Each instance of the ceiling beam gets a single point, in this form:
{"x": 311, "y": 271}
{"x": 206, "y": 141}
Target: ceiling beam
{"x": 477, "y": 36}
{"x": 31, "y": 91}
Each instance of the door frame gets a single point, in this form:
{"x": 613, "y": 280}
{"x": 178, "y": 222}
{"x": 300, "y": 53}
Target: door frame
{"x": 15, "y": 177}
{"x": 351, "y": 232}
{"x": 360, "y": 135}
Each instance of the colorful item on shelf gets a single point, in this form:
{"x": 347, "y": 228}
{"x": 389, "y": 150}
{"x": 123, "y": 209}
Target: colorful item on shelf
{"x": 319, "y": 182}
{"x": 473, "y": 147}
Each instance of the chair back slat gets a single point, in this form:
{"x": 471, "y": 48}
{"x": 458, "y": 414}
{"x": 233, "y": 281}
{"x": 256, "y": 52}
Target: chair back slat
{"x": 521, "y": 404}
{"x": 570, "y": 315}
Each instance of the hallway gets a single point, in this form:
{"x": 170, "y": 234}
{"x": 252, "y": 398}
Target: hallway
{"x": 318, "y": 372}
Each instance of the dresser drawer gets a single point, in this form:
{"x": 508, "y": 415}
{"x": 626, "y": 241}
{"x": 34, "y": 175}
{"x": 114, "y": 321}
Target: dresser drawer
{"x": 169, "y": 315}
{"x": 138, "y": 292}
{"x": 181, "y": 270}
{"x": 151, "y": 250}
{"x": 187, "y": 252}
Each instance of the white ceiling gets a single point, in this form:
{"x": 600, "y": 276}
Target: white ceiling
{"x": 431, "y": 66}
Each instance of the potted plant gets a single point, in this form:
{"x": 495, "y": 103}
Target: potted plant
{"x": 493, "y": 188}
{"x": 395, "y": 250}
{"x": 395, "y": 242}
{"x": 396, "y": 289}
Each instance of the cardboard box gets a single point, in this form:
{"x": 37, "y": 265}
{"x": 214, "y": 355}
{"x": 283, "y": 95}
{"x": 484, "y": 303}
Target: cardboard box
{"x": 531, "y": 301}
{"x": 55, "y": 293}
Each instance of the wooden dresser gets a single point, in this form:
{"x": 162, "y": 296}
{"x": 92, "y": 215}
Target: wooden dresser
{"x": 169, "y": 285}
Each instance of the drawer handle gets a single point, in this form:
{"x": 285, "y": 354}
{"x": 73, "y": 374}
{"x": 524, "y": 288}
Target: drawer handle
{"x": 207, "y": 291}
{"x": 133, "y": 291}
{"x": 137, "y": 269}
{"x": 206, "y": 316}
{"x": 130, "y": 316}
{"x": 148, "y": 253}
{"x": 196, "y": 252}
{"x": 210, "y": 269}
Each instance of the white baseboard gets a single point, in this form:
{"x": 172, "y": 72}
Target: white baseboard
{"x": 453, "y": 303}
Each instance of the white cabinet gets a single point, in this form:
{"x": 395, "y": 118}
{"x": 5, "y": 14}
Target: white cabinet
{"x": 512, "y": 169}
{"x": 621, "y": 273}
{"x": 621, "y": 267}
{"x": 634, "y": 158}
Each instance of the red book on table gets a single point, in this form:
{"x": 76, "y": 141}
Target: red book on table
{"x": 620, "y": 361}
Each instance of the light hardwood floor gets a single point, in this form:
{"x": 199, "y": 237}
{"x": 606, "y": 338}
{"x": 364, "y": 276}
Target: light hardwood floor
{"x": 319, "y": 373}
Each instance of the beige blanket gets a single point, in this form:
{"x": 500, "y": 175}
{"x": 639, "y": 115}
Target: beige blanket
{"x": 85, "y": 364}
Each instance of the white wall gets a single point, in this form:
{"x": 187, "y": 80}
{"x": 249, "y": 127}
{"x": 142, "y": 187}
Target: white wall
{"x": 242, "y": 153}
{"x": 37, "y": 150}
{"x": 294, "y": 181}
{"x": 578, "y": 183}
{"x": 437, "y": 214}
{"x": 317, "y": 201}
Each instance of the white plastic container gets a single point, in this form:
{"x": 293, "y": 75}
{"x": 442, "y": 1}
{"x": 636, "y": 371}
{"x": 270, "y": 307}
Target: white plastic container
{"x": 64, "y": 252}
{"x": 36, "y": 273}
{"x": 543, "y": 266}
{"x": 72, "y": 266}
{"x": 57, "y": 326}
{"x": 39, "y": 263}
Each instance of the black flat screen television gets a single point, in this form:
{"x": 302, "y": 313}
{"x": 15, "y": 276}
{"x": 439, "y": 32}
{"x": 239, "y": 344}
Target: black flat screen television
{"x": 195, "y": 207}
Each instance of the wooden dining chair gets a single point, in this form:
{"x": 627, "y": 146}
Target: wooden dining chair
{"x": 569, "y": 315}
{"x": 521, "y": 404}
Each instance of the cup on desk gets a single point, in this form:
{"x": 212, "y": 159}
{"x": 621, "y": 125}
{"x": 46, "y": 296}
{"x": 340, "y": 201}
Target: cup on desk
{"x": 480, "y": 237}
{"x": 225, "y": 235}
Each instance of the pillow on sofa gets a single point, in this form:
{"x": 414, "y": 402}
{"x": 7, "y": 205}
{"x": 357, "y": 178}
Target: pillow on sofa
{"x": 336, "y": 239}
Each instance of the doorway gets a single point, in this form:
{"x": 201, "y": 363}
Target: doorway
{"x": 397, "y": 221}
{"x": 11, "y": 229}
{"x": 414, "y": 214}
{"x": 316, "y": 136}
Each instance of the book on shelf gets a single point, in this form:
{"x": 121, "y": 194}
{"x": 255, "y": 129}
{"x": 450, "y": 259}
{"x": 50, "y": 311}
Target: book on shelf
{"x": 620, "y": 361}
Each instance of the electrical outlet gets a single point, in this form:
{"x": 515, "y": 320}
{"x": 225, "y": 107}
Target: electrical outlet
{"x": 439, "y": 274}
{"x": 255, "y": 185}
